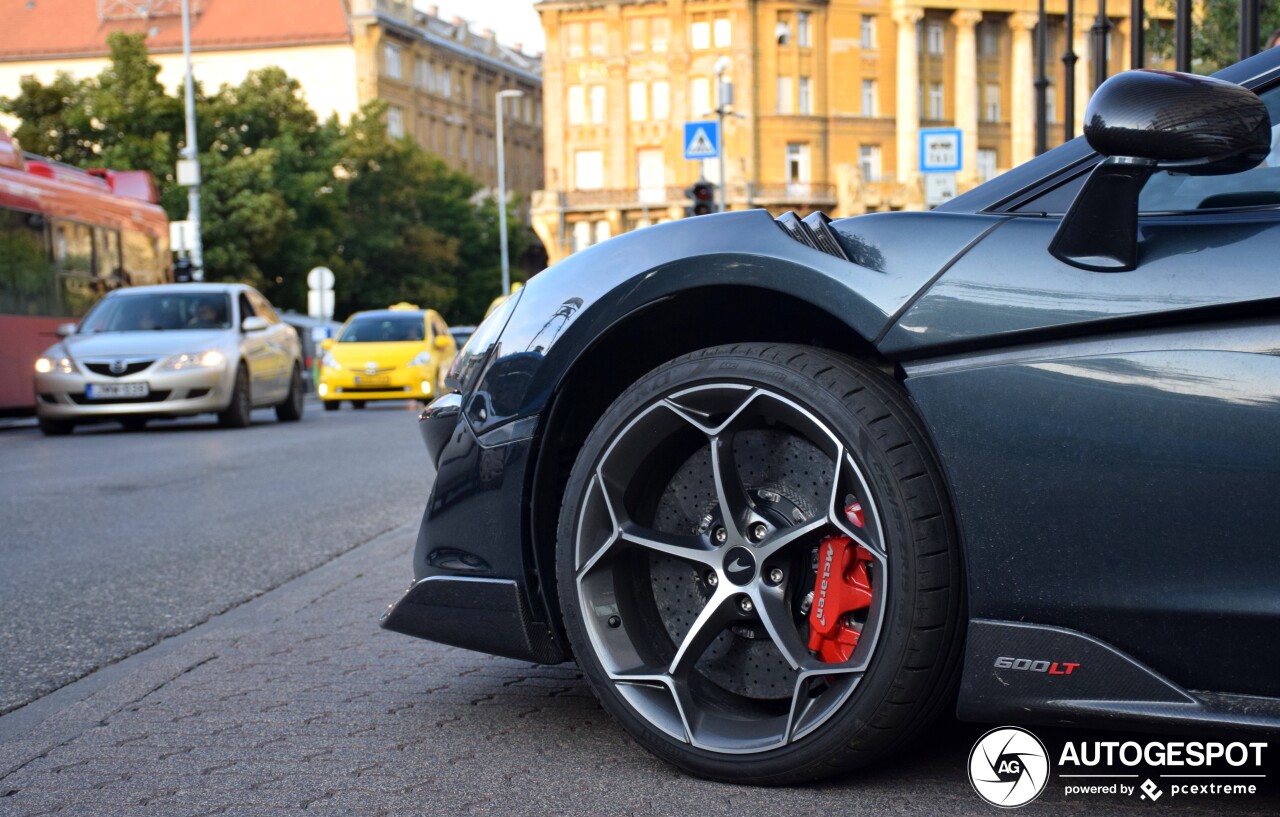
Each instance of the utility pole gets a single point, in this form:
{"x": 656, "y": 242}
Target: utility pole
{"x": 500, "y": 101}
{"x": 1069, "y": 75}
{"x": 1101, "y": 40}
{"x": 189, "y": 165}
{"x": 724, "y": 98}
{"x": 1042, "y": 83}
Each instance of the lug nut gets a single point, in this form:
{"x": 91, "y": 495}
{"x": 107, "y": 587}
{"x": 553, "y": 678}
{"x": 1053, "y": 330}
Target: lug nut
{"x": 712, "y": 579}
{"x": 775, "y": 576}
{"x": 615, "y": 622}
{"x": 758, "y": 531}
{"x": 720, "y": 535}
{"x": 746, "y": 605}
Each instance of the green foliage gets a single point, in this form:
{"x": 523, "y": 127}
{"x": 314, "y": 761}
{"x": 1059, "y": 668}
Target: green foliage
{"x": 282, "y": 191}
{"x": 1215, "y": 42}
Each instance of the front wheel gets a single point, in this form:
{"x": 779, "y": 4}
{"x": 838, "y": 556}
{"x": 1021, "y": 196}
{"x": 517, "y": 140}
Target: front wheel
{"x": 239, "y": 413}
{"x": 357, "y": 404}
{"x": 290, "y": 409}
{"x": 757, "y": 565}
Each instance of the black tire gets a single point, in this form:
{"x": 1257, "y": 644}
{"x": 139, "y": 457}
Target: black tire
{"x": 134, "y": 423}
{"x": 332, "y": 405}
{"x": 290, "y": 409}
{"x": 55, "y": 428}
{"x": 357, "y": 404}
{"x": 909, "y": 668}
{"x": 239, "y": 413}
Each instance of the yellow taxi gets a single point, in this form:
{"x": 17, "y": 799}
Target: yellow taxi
{"x": 399, "y": 353}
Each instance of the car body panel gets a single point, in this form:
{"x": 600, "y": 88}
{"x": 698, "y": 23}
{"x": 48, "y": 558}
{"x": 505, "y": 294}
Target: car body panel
{"x": 567, "y": 308}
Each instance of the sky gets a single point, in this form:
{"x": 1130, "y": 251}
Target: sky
{"x": 515, "y": 21}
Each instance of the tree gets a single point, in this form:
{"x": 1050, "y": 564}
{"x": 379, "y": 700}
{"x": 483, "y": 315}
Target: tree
{"x": 283, "y": 192}
{"x": 1215, "y": 42}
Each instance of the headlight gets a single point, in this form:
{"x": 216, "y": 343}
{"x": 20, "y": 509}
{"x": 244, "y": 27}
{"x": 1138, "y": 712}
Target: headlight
{"x": 421, "y": 359}
{"x": 208, "y": 359}
{"x": 329, "y": 361}
{"x": 56, "y": 365}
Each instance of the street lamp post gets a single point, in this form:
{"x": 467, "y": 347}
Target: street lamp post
{"x": 502, "y": 189}
{"x": 724, "y": 98}
{"x": 190, "y": 175}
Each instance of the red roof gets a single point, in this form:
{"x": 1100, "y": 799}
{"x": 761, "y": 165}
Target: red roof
{"x": 37, "y": 29}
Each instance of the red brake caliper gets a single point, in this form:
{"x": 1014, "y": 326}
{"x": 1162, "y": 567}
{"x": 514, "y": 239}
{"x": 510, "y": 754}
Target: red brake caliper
{"x": 841, "y": 587}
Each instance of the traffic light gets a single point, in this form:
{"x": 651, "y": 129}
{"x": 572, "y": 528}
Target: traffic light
{"x": 702, "y": 197}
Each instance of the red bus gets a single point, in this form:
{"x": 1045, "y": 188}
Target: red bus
{"x": 67, "y": 237}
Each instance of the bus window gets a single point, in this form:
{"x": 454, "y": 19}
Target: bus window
{"x": 73, "y": 247}
{"x": 26, "y": 274}
{"x": 106, "y": 245}
{"x": 143, "y": 262}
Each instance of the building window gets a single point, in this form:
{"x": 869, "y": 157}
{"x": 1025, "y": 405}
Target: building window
{"x": 588, "y": 170}
{"x": 602, "y": 230}
{"x": 869, "y": 162}
{"x": 869, "y": 106}
{"x": 1050, "y": 103}
{"x": 636, "y": 31}
{"x": 989, "y": 39}
{"x": 804, "y": 29}
{"x": 577, "y": 105}
{"x": 659, "y": 34}
{"x": 581, "y": 235}
{"x": 651, "y": 176}
{"x": 782, "y": 30}
{"x": 422, "y": 74}
{"x": 868, "y": 31}
{"x": 445, "y": 82}
{"x": 784, "y": 95}
{"x": 700, "y": 97}
{"x": 934, "y": 37}
{"x": 638, "y": 93}
{"x": 391, "y": 55}
{"x": 395, "y": 122}
{"x": 573, "y": 40}
{"x": 700, "y": 35}
{"x": 597, "y": 39}
{"x": 986, "y": 164}
{"x": 991, "y": 102}
{"x": 723, "y": 32}
{"x": 797, "y": 164}
{"x": 598, "y": 103}
{"x": 935, "y": 100}
{"x": 661, "y": 101}
{"x": 806, "y": 95}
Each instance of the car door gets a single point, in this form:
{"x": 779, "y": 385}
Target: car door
{"x": 281, "y": 344}
{"x": 1113, "y": 439}
{"x": 255, "y": 348}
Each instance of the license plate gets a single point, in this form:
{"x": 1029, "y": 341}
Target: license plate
{"x": 372, "y": 380}
{"x": 108, "y": 391}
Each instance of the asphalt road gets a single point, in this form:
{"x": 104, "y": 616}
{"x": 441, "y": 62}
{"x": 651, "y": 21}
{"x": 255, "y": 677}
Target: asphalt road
{"x": 110, "y": 540}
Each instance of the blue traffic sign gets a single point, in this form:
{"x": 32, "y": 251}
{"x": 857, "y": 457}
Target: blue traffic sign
{"x": 701, "y": 140}
{"x": 940, "y": 150}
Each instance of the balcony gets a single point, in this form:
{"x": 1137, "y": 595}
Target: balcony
{"x": 806, "y": 196}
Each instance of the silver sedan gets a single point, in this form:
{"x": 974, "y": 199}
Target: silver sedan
{"x": 170, "y": 351}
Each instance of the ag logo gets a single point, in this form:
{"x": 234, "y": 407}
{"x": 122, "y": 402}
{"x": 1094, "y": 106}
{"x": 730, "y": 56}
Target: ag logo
{"x": 1008, "y": 767}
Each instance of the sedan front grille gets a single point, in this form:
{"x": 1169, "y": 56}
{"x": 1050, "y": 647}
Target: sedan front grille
{"x": 132, "y": 367}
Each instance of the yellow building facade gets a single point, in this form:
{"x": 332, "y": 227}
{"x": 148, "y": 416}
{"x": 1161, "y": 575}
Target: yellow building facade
{"x": 830, "y": 97}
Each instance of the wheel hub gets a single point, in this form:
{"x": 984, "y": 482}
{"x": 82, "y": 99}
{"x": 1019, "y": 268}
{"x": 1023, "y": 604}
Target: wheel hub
{"x": 740, "y": 566}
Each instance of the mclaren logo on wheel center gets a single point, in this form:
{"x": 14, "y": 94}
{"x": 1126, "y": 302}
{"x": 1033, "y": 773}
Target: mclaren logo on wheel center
{"x": 1008, "y": 767}
{"x": 739, "y": 566}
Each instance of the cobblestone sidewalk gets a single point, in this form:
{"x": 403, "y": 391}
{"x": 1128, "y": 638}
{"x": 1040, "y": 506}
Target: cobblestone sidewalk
{"x": 297, "y": 702}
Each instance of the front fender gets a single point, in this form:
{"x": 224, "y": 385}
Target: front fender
{"x": 566, "y": 308}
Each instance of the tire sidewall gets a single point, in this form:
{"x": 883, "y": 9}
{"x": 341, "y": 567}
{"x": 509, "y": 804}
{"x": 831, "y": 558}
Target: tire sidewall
{"x": 894, "y": 642}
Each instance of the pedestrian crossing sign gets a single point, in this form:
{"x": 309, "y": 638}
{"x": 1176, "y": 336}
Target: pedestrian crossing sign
{"x": 701, "y": 140}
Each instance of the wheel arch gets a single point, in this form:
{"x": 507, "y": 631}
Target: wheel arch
{"x": 692, "y": 319}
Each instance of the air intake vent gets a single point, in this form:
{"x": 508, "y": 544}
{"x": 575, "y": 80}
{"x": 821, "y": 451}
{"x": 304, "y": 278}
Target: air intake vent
{"x": 812, "y": 232}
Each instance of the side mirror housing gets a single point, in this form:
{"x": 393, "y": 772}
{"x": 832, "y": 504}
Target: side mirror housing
{"x": 254, "y": 323}
{"x": 442, "y": 342}
{"x": 66, "y": 329}
{"x": 1144, "y": 121}
{"x": 326, "y": 344}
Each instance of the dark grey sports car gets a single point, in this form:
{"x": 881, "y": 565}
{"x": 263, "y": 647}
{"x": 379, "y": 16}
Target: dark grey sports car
{"x": 782, "y": 487}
